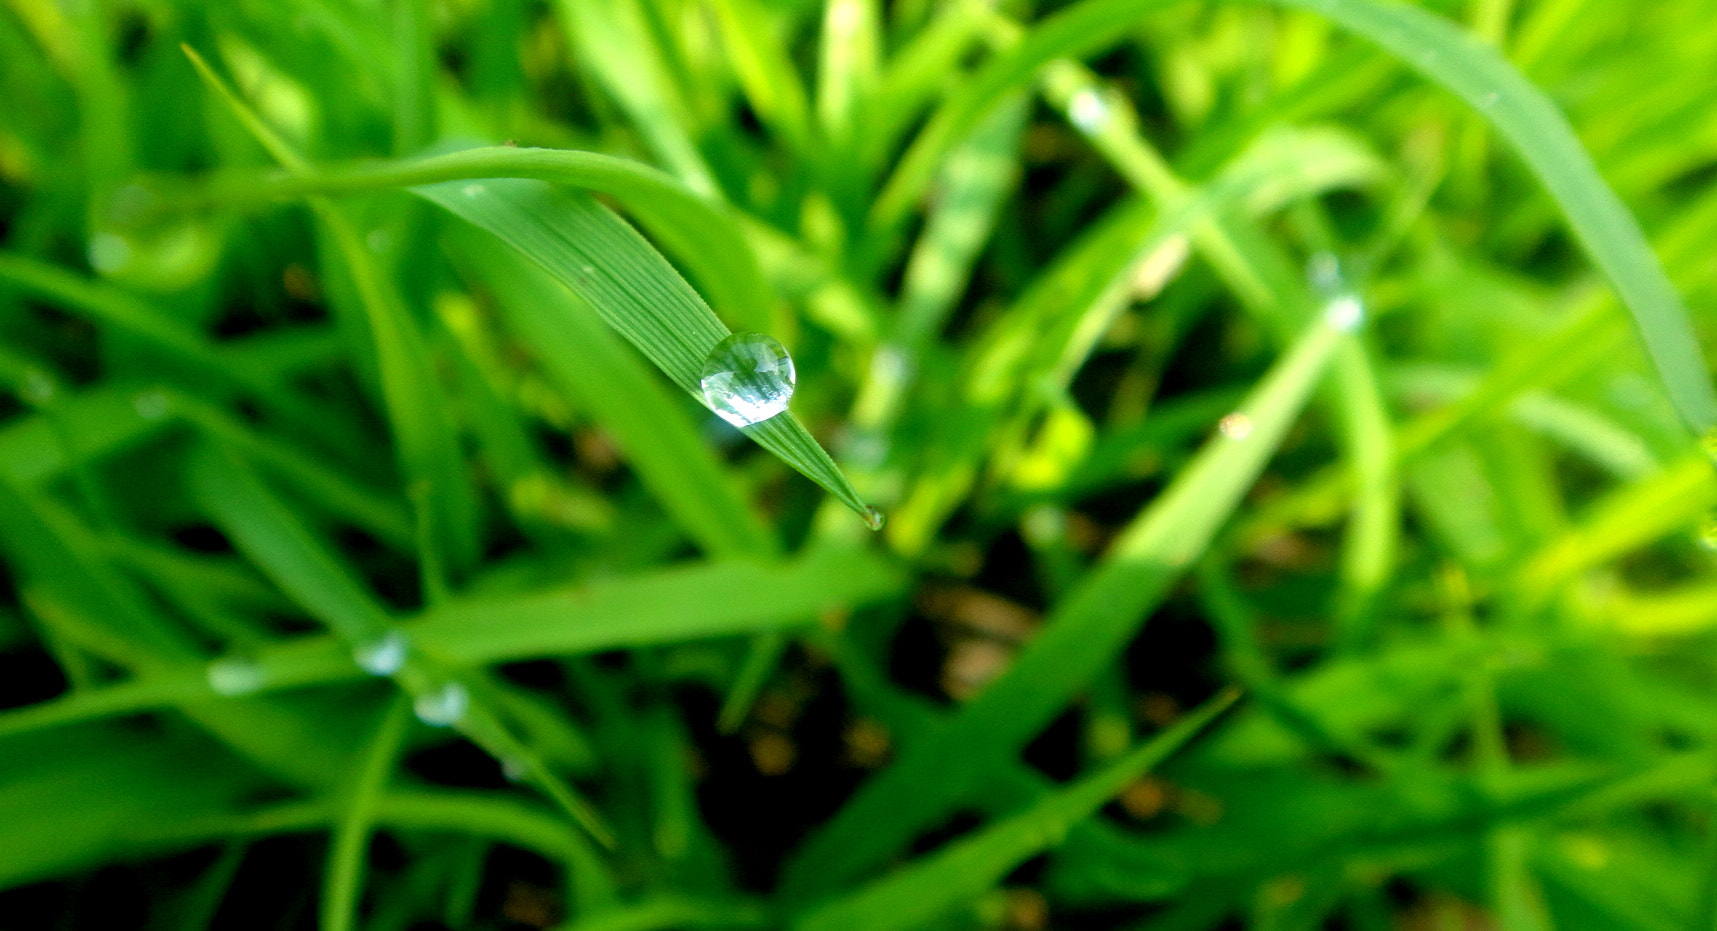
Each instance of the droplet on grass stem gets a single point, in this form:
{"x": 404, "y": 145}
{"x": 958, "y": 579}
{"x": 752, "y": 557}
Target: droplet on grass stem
{"x": 382, "y": 656}
{"x": 443, "y": 706}
{"x": 747, "y": 378}
{"x": 235, "y": 675}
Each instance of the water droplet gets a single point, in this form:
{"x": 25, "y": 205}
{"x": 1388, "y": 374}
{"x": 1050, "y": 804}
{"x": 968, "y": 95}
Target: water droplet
{"x": 1706, "y": 536}
{"x": 514, "y": 769}
{"x": 1489, "y": 100}
{"x": 1235, "y": 426}
{"x": 1345, "y": 313}
{"x": 382, "y": 656}
{"x": 1088, "y": 111}
{"x": 151, "y": 405}
{"x": 38, "y": 387}
{"x": 442, "y": 707}
{"x": 109, "y": 253}
{"x": 874, "y": 518}
{"x": 1323, "y": 270}
{"x": 473, "y": 190}
{"x": 235, "y": 675}
{"x": 747, "y": 378}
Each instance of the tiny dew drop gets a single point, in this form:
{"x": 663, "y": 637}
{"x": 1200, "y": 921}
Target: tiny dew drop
{"x": 382, "y": 656}
{"x": 235, "y": 675}
{"x": 443, "y": 706}
{"x": 747, "y": 378}
{"x": 873, "y": 517}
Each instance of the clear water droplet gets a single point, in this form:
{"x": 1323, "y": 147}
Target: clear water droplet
{"x": 473, "y": 190}
{"x": 235, "y": 675}
{"x": 1235, "y": 426}
{"x": 747, "y": 378}
{"x": 444, "y": 706}
{"x": 1088, "y": 111}
{"x": 874, "y": 518}
{"x": 382, "y": 656}
{"x": 151, "y": 405}
{"x": 1323, "y": 270}
{"x": 1345, "y": 313}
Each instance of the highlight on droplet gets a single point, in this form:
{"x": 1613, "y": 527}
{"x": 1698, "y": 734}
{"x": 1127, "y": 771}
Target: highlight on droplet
{"x": 747, "y": 378}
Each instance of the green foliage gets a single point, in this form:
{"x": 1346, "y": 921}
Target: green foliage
{"x": 371, "y": 556}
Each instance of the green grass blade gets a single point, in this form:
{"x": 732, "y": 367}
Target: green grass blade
{"x": 958, "y": 873}
{"x": 1440, "y": 51}
{"x": 605, "y": 378}
{"x": 635, "y": 291}
{"x": 343, "y": 881}
{"x": 700, "y": 235}
{"x": 1083, "y": 634}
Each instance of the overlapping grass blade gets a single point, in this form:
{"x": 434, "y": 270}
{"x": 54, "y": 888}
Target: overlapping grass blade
{"x": 1083, "y": 634}
{"x": 920, "y": 892}
{"x": 1440, "y": 51}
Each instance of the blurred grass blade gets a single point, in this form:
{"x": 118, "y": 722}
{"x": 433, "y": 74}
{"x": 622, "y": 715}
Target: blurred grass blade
{"x": 423, "y": 429}
{"x": 1086, "y": 630}
{"x": 920, "y": 892}
{"x": 1440, "y": 51}
{"x": 760, "y": 60}
{"x": 602, "y": 260}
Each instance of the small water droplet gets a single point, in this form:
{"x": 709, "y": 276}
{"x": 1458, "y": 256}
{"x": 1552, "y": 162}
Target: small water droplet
{"x": 235, "y": 675}
{"x": 1235, "y": 426}
{"x": 151, "y": 405}
{"x": 382, "y": 656}
{"x": 38, "y": 387}
{"x": 514, "y": 769}
{"x": 109, "y": 253}
{"x": 444, "y": 706}
{"x": 473, "y": 190}
{"x": 1088, "y": 111}
{"x": 1490, "y": 100}
{"x": 1707, "y": 535}
{"x": 747, "y": 378}
{"x": 874, "y": 518}
{"x": 1323, "y": 270}
{"x": 1345, "y": 313}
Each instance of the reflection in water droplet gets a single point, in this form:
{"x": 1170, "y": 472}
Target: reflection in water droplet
{"x": 382, "y": 656}
{"x": 747, "y": 378}
{"x": 1345, "y": 313}
{"x": 874, "y": 518}
{"x": 235, "y": 675}
{"x": 150, "y": 405}
{"x": 443, "y": 706}
{"x": 1088, "y": 111}
{"x": 1235, "y": 426}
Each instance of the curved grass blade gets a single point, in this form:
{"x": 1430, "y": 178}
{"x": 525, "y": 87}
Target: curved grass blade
{"x": 703, "y": 237}
{"x": 1441, "y": 52}
{"x": 591, "y": 251}
{"x": 917, "y": 894}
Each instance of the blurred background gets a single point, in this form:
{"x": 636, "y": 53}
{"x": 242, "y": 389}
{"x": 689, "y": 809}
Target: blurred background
{"x": 354, "y": 573}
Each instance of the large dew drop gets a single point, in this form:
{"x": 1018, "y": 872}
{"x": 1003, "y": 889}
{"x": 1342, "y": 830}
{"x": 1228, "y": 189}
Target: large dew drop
{"x": 747, "y": 378}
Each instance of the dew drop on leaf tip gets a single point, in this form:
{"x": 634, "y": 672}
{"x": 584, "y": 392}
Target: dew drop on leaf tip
{"x": 747, "y": 378}
{"x": 873, "y": 517}
{"x": 442, "y": 706}
{"x": 382, "y": 656}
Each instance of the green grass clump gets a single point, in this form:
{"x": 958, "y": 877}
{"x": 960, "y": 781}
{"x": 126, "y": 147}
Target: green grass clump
{"x": 1291, "y": 421}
